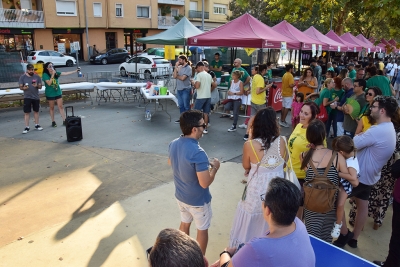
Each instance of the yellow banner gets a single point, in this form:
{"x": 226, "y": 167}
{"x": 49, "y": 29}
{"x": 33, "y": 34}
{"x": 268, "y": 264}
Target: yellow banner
{"x": 249, "y": 51}
{"x": 169, "y": 52}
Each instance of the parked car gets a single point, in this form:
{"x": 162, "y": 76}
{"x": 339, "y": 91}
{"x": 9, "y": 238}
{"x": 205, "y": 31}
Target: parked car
{"x": 44, "y": 56}
{"x": 114, "y": 55}
{"x": 146, "y": 66}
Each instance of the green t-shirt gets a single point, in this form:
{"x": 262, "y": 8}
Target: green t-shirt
{"x": 53, "y": 89}
{"x": 330, "y": 68}
{"x": 216, "y": 65}
{"x": 244, "y": 77}
{"x": 269, "y": 74}
{"x": 382, "y": 82}
{"x": 334, "y": 94}
{"x": 325, "y": 93}
{"x": 352, "y": 74}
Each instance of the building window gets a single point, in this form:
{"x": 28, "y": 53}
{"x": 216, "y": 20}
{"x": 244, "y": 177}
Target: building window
{"x": 220, "y": 9}
{"x": 26, "y": 4}
{"x": 143, "y": 12}
{"x": 193, "y": 6}
{"x": 66, "y": 8}
{"x": 174, "y": 12}
{"x": 159, "y": 12}
{"x": 97, "y": 10}
{"x": 119, "y": 11}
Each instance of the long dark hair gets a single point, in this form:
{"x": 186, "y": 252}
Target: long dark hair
{"x": 45, "y": 70}
{"x": 377, "y": 91}
{"x": 315, "y": 135}
{"x": 314, "y": 109}
{"x": 265, "y": 127}
{"x": 305, "y": 73}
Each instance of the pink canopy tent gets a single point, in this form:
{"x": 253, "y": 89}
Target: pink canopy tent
{"x": 392, "y": 42}
{"x": 245, "y": 31}
{"x": 347, "y": 47}
{"x": 387, "y": 44}
{"x": 294, "y": 34}
{"x": 365, "y": 40}
{"x": 329, "y": 44}
{"x": 348, "y": 37}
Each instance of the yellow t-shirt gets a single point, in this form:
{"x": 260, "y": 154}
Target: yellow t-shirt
{"x": 298, "y": 144}
{"x": 381, "y": 65}
{"x": 287, "y": 79}
{"x": 258, "y": 82}
{"x": 366, "y": 124}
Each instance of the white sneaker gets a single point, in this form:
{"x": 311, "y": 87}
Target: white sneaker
{"x": 205, "y": 131}
{"x": 336, "y": 230}
{"x": 242, "y": 126}
{"x": 26, "y": 130}
{"x": 38, "y": 127}
{"x": 232, "y": 129}
{"x": 283, "y": 123}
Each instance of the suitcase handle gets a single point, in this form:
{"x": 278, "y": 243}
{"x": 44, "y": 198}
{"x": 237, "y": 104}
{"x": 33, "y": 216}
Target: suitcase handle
{"x": 66, "y": 112}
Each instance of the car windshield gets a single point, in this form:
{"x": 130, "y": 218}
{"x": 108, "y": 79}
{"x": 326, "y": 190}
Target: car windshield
{"x": 31, "y": 54}
{"x": 160, "y": 61}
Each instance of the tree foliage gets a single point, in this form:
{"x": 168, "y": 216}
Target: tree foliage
{"x": 378, "y": 18}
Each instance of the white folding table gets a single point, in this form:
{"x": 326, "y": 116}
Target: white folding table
{"x": 157, "y": 99}
{"x": 108, "y": 87}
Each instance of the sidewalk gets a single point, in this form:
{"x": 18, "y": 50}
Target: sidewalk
{"x": 102, "y": 201}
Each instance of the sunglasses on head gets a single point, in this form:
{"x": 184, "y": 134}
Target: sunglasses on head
{"x": 148, "y": 251}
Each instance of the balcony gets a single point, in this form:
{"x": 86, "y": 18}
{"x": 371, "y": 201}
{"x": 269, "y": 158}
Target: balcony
{"x": 193, "y": 14}
{"x": 17, "y": 18}
{"x": 166, "y": 22}
{"x": 172, "y": 2}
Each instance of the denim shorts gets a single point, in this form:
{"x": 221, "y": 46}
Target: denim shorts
{"x": 203, "y": 104}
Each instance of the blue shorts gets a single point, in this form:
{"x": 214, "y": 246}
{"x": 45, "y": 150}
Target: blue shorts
{"x": 203, "y": 104}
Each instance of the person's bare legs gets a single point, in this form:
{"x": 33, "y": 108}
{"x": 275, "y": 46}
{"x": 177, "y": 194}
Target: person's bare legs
{"x": 249, "y": 124}
{"x": 361, "y": 216}
{"x": 60, "y": 108}
{"x": 202, "y": 238}
{"x": 205, "y": 118}
{"x": 26, "y": 117}
{"x": 285, "y": 112}
{"x": 36, "y": 115}
{"x": 340, "y": 205}
{"x": 51, "y": 109}
{"x": 184, "y": 227}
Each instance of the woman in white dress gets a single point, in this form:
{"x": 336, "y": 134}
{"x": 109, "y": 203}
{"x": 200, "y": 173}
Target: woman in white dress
{"x": 263, "y": 160}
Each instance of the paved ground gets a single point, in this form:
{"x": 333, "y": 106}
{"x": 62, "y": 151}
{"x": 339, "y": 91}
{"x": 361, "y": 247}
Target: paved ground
{"x": 103, "y": 200}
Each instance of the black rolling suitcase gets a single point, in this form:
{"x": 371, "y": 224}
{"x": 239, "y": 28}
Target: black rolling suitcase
{"x": 73, "y": 126}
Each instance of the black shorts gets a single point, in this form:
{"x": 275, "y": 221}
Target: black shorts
{"x": 53, "y": 97}
{"x": 31, "y": 103}
{"x": 361, "y": 191}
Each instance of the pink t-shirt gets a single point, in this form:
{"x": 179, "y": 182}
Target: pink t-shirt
{"x": 296, "y": 107}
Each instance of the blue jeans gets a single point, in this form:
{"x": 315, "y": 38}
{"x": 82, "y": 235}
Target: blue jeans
{"x": 184, "y": 99}
{"x": 331, "y": 121}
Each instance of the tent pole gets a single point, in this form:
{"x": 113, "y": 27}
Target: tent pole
{"x": 300, "y": 52}
{"x": 295, "y": 60}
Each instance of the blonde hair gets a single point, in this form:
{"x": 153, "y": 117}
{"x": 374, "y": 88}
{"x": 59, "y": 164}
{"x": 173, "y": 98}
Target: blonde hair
{"x": 238, "y": 73}
{"x": 327, "y": 81}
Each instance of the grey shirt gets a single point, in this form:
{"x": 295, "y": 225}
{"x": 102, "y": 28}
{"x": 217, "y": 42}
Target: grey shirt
{"x": 31, "y": 92}
{"x": 349, "y": 124}
{"x": 374, "y": 149}
{"x": 185, "y": 84}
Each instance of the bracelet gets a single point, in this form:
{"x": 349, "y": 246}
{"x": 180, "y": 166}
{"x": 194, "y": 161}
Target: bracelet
{"x": 225, "y": 252}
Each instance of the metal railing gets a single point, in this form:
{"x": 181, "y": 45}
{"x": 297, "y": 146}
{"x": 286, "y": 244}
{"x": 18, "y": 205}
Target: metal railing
{"x": 21, "y": 15}
{"x": 165, "y": 22}
{"x": 193, "y": 14}
{"x": 172, "y": 2}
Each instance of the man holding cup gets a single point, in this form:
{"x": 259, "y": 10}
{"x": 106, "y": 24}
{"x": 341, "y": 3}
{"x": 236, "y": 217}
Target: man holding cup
{"x": 31, "y": 83}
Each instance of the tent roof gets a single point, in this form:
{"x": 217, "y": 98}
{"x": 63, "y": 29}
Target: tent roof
{"x": 244, "y": 31}
{"x": 290, "y": 31}
{"x": 329, "y": 44}
{"x": 365, "y": 40}
{"x": 347, "y": 47}
{"x": 173, "y": 36}
{"x": 348, "y": 37}
{"x": 392, "y": 42}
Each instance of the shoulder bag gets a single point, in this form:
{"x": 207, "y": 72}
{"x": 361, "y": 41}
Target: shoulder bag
{"x": 320, "y": 192}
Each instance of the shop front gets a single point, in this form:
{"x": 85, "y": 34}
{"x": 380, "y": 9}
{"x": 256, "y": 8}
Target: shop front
{"x": 130, "y": 36}
{"x": 14, "y": 40}
{"x": 63, "y": 38}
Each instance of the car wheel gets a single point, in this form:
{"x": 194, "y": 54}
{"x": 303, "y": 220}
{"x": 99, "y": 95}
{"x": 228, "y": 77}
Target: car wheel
{"x": 104, "y": 61}
{"x": 147, "y": 75}
{"x": 70, "y": 63}
{"x": 127, "y": 59}
{"x": 122, "y": 71}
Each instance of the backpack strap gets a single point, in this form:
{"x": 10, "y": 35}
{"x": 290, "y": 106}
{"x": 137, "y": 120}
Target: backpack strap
{"x": 327, "y": 167}
{"x": 252, "y": 147}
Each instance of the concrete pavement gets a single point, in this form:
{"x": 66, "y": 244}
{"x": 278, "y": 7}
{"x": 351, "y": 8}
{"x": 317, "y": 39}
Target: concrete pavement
{"x": 103, "y": 200}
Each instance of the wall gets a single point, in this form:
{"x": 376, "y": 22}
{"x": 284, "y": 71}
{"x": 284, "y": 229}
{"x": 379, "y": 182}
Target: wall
{"x": 43, "y": 37}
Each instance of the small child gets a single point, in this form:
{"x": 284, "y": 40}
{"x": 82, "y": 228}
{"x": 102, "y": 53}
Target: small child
{"x": 296, "y": 107}
{"x": 345, "y": 146}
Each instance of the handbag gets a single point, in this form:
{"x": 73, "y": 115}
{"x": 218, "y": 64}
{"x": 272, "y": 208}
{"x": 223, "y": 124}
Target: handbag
{"x": 256, "y": 172}
{"x": 214, "y": 96}
{"x": 323, "y": 114}
{"x": 320, "y": 192}
{"x": 289, "y": 172}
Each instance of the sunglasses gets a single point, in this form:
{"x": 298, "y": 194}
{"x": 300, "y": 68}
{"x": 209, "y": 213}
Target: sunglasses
{"x": 370, "y": 94}
{"x": 203, "y": 125}
{"x": 148, "y": 251}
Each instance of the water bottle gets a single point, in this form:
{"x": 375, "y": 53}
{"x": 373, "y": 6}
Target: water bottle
{"x": 79, "y": 72}
{"x": 148, "y": 115}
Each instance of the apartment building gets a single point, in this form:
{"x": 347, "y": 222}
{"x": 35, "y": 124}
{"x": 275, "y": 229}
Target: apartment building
{"x": 54, "y": 24}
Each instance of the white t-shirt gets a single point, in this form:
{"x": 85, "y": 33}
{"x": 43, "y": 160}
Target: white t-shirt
{"x": 353, "y": 163}
{"x": 392, "y": 67}
{"x": 204, "y": 91}
{"x": 235, "y": 88}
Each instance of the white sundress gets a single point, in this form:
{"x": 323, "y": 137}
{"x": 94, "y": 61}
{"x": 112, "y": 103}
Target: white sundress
{"x": 249, "y": 220}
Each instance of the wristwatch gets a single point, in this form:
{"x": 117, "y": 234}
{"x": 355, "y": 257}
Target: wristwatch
{"x": 225, "y": 252}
